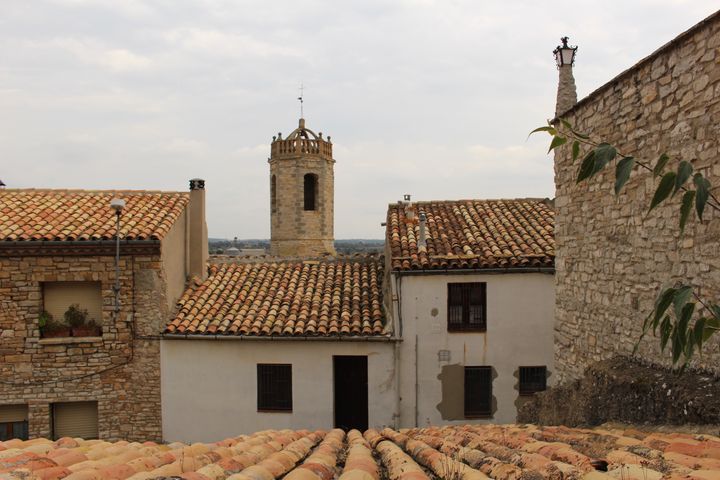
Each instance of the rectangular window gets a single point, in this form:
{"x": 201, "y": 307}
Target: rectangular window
{"x": 532, "y": 379}
{"x": 59, "y": 296}
{"x": 75, "y": 419}
{"x": 478, "y": 392}
{"x": 467, "y": 304}
{"x": 274, "y": 387}
{"x": 13, "y": 422}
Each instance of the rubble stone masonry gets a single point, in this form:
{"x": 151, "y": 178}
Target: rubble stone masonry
{"x": 612, "y": 258}
{"x": 121, "y": 374}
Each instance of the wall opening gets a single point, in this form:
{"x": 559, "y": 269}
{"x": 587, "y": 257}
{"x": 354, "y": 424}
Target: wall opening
{"x": 273, "y": 194}
{"x": 13, "y": 422}
{"x": 351, "y": 392}
{"x": 310, "y": 182}
{"x": 75, "y": 419}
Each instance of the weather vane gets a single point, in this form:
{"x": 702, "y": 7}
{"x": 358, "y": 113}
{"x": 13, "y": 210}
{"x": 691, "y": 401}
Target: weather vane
{"x": 301, "y": 100}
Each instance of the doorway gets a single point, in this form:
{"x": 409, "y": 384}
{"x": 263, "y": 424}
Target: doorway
{"x": 351, "y": 392}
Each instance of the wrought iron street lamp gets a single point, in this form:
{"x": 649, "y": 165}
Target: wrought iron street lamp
{"x": 565, "y": 54}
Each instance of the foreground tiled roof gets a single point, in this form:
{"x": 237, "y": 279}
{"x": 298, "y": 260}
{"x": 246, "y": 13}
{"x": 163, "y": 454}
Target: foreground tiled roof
{"x": 472, "y": 234}
{"x": 66, "y": 215}
{"x": 341, "y": 296}
{"x": 464, "y": 452}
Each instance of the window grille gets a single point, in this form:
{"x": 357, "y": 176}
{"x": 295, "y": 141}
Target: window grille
{"x": 274, "y": 387}
{"x": 478, "y": 392}
{"x": 532, "y": 379}
{"x": 467, "y": 307}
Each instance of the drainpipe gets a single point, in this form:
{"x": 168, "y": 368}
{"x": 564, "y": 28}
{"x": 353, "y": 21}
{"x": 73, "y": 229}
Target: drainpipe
{"x": 416, "y": 382}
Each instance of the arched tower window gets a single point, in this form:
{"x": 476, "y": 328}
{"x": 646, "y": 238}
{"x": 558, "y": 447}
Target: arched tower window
{"x": 273, "y": 194}
{"x": 310, "y": 191}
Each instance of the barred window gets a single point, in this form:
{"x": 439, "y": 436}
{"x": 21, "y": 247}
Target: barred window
{"x": 467, "y": 307}
{"x": 532, "y": 379}
{"x": 274, "y": 387}
{"x": 478, "y": 392}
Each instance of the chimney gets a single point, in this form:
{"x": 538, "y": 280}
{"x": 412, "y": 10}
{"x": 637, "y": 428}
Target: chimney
{"x": 567, "y": 93}
{"x": 197, "y": 231}
{"x": 422, "y": 241}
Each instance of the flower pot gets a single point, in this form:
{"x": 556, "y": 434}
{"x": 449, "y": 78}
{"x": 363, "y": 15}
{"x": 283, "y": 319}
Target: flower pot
{"x": 56, "y": 333}
{"x": 86, "y": 331}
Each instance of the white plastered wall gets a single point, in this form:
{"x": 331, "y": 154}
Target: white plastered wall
{"x": 209, "y": 387}
{"x": 520, "y": 310}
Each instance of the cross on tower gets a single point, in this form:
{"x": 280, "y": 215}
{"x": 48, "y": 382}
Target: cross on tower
{"x": 301, "y": 100}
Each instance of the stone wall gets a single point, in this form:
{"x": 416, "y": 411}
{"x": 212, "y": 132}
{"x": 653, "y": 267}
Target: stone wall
{"x": 612, "y": 258}
{"x": 294, "y": 230}
{"x": 121, "y": 375}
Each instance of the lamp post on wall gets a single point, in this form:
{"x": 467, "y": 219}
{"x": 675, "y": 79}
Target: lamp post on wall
{"x": 117, "y": 204}
{"x": 565, "y": 59}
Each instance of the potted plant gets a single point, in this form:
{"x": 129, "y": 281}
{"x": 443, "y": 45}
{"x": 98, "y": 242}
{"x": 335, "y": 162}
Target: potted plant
{"x": 88, "y": 329}
{"x": 79, "y": 324}
{"x": 50, "y": 328}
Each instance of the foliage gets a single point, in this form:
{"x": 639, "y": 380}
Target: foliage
{"x": 681, "y": 318}
{"x": 44, "y": 318}
{"x": 75, "y": 317}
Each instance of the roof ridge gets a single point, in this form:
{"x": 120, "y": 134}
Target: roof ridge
{"x": 89, "y": 191}
{"x": 517, "y": 199}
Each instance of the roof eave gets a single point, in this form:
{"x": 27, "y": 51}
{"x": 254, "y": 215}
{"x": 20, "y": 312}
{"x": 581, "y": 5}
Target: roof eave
{"x": 275, "y": 338}
{"x": 36, "y": 248}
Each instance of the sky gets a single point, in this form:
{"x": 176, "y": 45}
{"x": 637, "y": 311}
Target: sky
{"x": 422, "y": 97}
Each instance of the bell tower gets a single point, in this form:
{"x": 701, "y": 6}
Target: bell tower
{"x": 301, "y": 194}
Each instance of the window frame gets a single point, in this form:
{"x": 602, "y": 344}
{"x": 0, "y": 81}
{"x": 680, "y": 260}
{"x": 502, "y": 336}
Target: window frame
{"x": 9, "y": 428}
{"x": 530, "y": 388}
{"x": 310, "y": 179}
{"x": 273, "y": 194}
{"x": 471, "y": 411}
{"x": 264, "y": 390}
{"x": 465, "y": 305}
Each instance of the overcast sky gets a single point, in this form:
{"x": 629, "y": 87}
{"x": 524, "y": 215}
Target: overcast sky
{"x": 432, "y": 98}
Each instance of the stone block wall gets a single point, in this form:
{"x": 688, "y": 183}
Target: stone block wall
{"x": 122, "y": 375}
{"x": 612, "y": 258}
{"x": 294, "y": 230}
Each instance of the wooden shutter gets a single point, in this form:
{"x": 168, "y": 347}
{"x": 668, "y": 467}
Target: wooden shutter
{"x": 75, "y": 419}
{"x": 58, "y": 296}
{"x": 13, "y": 413}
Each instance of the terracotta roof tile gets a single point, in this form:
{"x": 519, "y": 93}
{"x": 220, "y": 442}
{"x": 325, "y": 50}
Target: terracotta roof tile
{"x": 67, "y": 215}
{"x": 470, "y": 452}
{"x": 472, "y": 234}
{"x": 330, "y": 297}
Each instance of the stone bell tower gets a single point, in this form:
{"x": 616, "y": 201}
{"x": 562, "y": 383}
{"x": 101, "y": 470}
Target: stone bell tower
{"x": 301, "y": 194}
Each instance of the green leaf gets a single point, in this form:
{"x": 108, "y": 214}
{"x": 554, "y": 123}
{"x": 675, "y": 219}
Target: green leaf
{"x": 678, "y": 344}
{"x": 703, "y": 192}
{"x": 664, "y": 189}
{"x": 685, "y": 316}
{"x": 575, "y": 150}
{"x": 712, "y": 325}
{"x": 665, "y": 331}
{"x": 604, "y": 153}
{"x": 566, "y": 124}
{"x": 622, "y": 172}
{"x": 662, "y": 303}
{"x": 685, "y": 169}
{"x": 682, "y": 295}
{"x": 660, "y": 165}
{"x": 587, "y": 166}
{"x": 686, "y": 208}
{"x": 580, "y": 135}
{"x": 556, "y": 142}
{"x": 548, "y": 129}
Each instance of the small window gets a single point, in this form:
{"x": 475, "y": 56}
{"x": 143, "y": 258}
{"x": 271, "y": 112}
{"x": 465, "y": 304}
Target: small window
{"x": 76, "y": 305}
{"x": 310, "y": 189}
{"x": 75, "y": 419}
{"x": 13, "y": 422}
{"x": 478, "y": 392}
{"x": 274, "y": 387}
{"x": 467, "y": 307}
{"x": 273, "y": 194}
{"x": 532, "y": 379}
